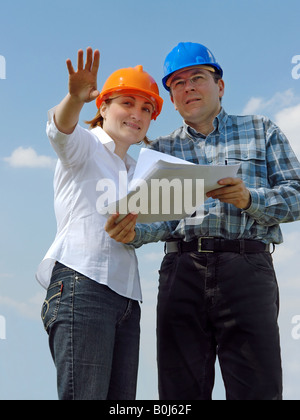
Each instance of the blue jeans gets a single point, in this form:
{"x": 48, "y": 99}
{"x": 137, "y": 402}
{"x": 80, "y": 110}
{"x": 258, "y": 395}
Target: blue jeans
{"x": 94, "y": 336}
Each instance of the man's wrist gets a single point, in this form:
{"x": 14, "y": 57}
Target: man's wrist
{"x": 249, "y": 202}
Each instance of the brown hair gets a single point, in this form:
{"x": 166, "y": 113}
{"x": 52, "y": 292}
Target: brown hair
{"x": 97, "y": 121}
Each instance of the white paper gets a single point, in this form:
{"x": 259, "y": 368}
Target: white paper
{"x": 167, "y": 188}
{"x": 148, "y": 158}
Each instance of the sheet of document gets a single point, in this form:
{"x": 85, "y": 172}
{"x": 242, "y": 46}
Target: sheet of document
{"x": 167, "y": 188}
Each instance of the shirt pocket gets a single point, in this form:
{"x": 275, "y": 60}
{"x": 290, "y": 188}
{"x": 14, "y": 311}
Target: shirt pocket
{"x": 253, "y": 170}
{"x": 51, "y": 304}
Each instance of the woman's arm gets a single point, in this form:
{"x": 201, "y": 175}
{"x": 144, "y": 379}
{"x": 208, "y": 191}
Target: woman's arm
{"x": 82, "y": 89}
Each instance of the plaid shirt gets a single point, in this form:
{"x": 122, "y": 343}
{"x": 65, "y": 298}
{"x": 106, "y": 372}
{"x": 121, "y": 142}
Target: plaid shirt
{"x": 269, "y": 169}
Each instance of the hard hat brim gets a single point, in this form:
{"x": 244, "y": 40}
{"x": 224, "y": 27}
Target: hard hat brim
{"x": 155, "y": 100}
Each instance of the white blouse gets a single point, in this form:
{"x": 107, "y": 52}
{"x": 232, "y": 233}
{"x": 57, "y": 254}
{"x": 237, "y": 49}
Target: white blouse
{"x": 81, "y": 243}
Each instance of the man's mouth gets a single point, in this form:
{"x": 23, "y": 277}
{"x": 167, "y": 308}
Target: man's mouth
{"x": 192, "y": 100}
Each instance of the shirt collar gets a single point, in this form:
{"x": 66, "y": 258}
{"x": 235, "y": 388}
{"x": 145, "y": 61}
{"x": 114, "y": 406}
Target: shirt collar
{"x": 218, "y": 123}
{"x": 108, "y": 142}
{"x": 104, "y": 138}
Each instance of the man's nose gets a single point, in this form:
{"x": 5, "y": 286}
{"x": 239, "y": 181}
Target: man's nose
{"x": 189, "y": 85}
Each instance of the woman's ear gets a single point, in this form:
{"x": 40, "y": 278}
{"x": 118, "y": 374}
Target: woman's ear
{"x": 103, "y": 110}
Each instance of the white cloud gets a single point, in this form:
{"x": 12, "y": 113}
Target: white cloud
{"x": 30, "y": 309}
{"x": 284, "y": 109}
{"x": 253, "y": 106}
{"x": 288, "y": 119}
{"x": 28, "y": 158}
{"x": 279, "y": 100}
{"x": 289, "y": 250}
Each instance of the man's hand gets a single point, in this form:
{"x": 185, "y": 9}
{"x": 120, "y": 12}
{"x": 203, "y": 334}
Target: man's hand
{"x": 123, "y": 231}
{"x": 234, "y": 192}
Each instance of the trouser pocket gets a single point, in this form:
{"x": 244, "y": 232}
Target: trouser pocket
{"x": 51, "y": 304}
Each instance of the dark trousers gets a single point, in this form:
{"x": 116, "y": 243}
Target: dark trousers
{"x": 218, "y": 304}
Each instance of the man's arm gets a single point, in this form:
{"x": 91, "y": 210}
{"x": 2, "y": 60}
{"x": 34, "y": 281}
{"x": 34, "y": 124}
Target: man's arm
{"x": 278, "y": 203}
{"x": 281, "y": 202}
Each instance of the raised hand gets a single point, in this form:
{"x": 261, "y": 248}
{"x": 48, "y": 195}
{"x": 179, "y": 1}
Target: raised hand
{"x": 82, "y": 89}
{"x": 83, "y": 82}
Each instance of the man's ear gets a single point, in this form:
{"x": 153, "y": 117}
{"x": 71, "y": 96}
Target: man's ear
{"x": 172, "y": 100}
{"x": 221, "y": 88}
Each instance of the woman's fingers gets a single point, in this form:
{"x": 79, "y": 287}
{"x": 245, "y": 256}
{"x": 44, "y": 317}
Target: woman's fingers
{"x": 96, "y": 62}
{"x": 124, "y": 230}
{"x": 70, "y": 67}
{"x": 80, "y": 60}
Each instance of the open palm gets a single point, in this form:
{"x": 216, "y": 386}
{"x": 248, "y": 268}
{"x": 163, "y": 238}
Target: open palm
{"x": 83, "y": 82}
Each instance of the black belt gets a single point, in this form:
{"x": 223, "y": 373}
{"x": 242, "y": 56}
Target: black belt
{"x": 210, "y": 244}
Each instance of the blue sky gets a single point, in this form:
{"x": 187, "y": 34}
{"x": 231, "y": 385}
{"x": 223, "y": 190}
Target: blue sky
{"x": 254, "y": 41}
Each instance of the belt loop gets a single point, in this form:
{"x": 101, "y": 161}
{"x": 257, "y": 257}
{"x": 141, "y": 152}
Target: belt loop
{"x": 274, "y": 247}
{"x": 242, "y": 246}
{"x": 165, "y": 248}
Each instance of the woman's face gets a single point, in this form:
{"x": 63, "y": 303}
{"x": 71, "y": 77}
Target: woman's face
{"x": 127, "y": 118}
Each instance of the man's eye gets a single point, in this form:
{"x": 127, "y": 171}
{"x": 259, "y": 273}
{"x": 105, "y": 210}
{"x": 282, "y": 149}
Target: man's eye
{"x": 179, "y": 83}
{"x": 196, "y": 79}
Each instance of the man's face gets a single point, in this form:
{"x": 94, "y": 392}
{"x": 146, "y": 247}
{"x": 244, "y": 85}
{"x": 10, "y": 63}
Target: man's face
{"x": 196, "y": 95}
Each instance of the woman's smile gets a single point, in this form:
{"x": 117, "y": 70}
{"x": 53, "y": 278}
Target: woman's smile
{"x": 132, "y": 125}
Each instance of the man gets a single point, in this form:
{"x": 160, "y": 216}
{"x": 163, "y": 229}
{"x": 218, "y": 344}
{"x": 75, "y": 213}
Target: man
{"x": 218, "y": 293}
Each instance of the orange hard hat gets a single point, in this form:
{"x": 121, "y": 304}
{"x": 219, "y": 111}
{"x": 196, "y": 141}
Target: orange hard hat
{"x": 135, "y": 81}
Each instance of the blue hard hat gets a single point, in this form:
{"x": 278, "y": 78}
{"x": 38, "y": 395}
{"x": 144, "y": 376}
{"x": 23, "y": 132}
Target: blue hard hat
{"x": 188, "y": 54}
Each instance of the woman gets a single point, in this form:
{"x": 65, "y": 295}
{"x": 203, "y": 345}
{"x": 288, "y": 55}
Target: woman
{"x": 92, "y": 311}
